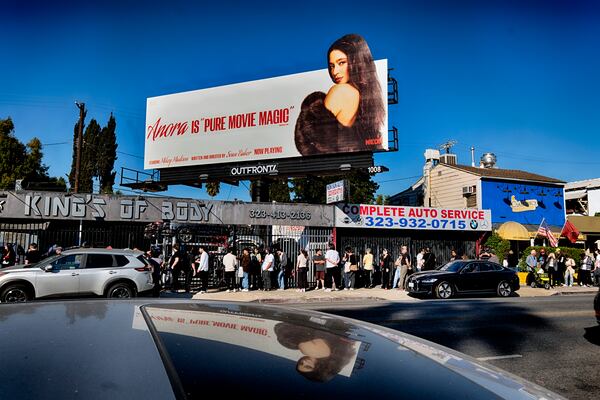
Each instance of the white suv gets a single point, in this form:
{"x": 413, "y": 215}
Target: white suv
{"x": 78, "y": 272}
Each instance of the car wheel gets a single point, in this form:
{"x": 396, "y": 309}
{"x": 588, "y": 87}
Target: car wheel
{"x": 532, "y": 284}
{"x": 15, "y": 294}
{"x": 120, "y": 291}
{"x": 504, "y": 289}
{"x": 444, "y": 290}
{"x": 547, "y": 286}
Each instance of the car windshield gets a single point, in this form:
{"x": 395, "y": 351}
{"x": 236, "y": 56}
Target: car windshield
{"x": 453, "y": 266}
{"x": 42, "y": 263}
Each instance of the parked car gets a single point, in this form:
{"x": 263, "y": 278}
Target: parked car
{"x": 78, "y": 272}
{"x": 145, "y": 349}
{"x": 464, "y": 276}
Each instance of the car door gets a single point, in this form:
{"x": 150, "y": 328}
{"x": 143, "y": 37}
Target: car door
{"x": 488, "y": 277}
{"x": 468, "y": 278}
{"x": 99, "y": 268}
{"x": 63, "y": 279}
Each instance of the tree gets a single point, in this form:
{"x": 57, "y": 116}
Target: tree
{"x": 279, "y": 190}
{"x": 74, "y": 158}
{"x": 382, "y": 200}
{"x": 89, "y": 157}
{"x": 312, "y": 189}
{"x": 107, "y": 154}
{"x": 19, "y": 161}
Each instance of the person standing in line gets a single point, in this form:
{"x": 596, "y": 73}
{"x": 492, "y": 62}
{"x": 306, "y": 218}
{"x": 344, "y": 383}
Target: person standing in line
{"x": 352, "y": 263}
{"x": 532, "y": 261}
{"x": 33, "y": 255}
{"x": 551, "y": 268}
{"x": 175, "y": 264}
{"x": 561, "y": 267}
{"x": 302, "y": 268}
{"x": 368, "y": 268}
{"x": 267, "y": 269}
{"x": 405, "y": 267}
{"x": 229, "y": 262}
{"x": 569, "y": 271}
{"x": 585, "y": 271}
{"x": 512, "y": 260}
{"x": 283, "y": 267}
{"x": 596, "y": 270}
{"x": 396, "y": 275}
{"x": 203, "y": 269}
{"x": 430, "y": 262}
{"x": 493, "y": 257}
{"x": 332, "y": 274}
{"x": 385, "y": 263}
{"x": 453, "y": 257}
{"x": 245, "y": 267}
{"x": 256, "y": 271}
{"x": 345, "y": 264}
{"x": 155, "y": 265}
{"x": 421, "y": 260}
{"x": 319, "y": 263}
{"x": 542, "y": 259}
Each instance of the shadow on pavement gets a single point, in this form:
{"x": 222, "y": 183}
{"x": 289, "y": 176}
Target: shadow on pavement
{"x": 592, "y": 335}
{"x": 497, "y": 328}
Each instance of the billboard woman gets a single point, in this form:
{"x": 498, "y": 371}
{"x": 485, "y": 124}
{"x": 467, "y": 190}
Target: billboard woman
{"x": 350, "y": 116}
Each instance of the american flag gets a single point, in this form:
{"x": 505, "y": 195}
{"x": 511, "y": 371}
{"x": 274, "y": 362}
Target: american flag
{"x": 545, "y": 231}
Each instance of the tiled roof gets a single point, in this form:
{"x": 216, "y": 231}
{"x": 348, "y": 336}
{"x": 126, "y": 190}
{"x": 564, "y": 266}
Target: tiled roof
{"x": 504, "y": 173}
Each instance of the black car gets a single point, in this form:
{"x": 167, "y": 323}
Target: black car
{"x": 157, "y": 349}
{"x": 464, "y": 276}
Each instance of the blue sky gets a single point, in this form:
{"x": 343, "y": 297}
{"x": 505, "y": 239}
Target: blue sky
{"x": 518, "y": 78}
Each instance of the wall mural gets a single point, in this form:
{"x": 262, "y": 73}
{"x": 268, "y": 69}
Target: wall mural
{"x": 526, "y": 203}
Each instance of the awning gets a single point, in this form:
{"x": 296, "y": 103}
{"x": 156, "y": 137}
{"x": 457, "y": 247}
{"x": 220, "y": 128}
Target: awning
{"x": 585, "y": 224}
{"x": 513, "y": 231}
{"x": 575, "y": 194}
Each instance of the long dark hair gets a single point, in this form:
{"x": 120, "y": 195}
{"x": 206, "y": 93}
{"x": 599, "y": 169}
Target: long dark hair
{"x": 363, "y": 76}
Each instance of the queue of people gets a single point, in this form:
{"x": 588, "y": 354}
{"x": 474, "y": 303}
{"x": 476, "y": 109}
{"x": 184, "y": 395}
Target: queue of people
{"x": 561, "y": 268}
{"x": 271, "y": 269}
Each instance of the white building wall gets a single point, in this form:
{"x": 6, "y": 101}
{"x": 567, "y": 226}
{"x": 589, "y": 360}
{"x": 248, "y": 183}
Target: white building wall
{"x": 446, "y": 187}
{"x": 593, "y": 201}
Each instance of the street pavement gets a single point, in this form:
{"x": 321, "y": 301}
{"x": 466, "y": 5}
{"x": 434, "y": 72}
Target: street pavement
{"x": 549, "y": 337}
{"x": 292, "y": 296}
{"x": 553, "y": 341}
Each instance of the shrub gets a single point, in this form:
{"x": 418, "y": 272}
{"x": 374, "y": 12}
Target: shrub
{"x": 569, "y": 252}
{"x": 500, "y": 246}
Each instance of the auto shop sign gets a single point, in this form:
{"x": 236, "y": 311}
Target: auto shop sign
{"x": 420, "y": 218}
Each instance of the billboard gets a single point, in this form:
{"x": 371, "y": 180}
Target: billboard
{"x": 339, "y": 109}
{"x": 416, "y": 218}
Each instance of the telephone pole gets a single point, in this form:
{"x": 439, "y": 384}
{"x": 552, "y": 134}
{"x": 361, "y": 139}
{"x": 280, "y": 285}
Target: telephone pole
{"x": 81, "y": 107}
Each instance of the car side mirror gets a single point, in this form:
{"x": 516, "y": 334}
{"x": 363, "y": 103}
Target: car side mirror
{"x": 48, "y": 268}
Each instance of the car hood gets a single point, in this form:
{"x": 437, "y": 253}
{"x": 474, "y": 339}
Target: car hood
{"x": 21, "y": 268}
{"x": 433, "y": 274}
{"x": 224, "y": 343}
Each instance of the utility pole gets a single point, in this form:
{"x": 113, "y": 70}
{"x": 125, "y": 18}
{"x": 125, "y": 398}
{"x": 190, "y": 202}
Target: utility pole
{"x": 81, "y": 107}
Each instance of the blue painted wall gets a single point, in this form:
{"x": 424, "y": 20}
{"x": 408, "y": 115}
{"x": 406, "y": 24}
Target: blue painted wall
{"x": 522, "y": 202}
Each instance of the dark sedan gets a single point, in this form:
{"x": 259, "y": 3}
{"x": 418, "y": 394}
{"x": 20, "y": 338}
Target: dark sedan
{"x": 156, "y": 349}
{"x": 465, "y": 276}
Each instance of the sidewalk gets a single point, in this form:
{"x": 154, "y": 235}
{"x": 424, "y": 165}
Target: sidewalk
{"x": 292, "y": 296}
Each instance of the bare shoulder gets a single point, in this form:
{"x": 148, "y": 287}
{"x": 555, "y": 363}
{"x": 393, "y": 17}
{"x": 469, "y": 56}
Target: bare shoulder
{"x": 342, "y": 97}
{"x": 343, "y": 91}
